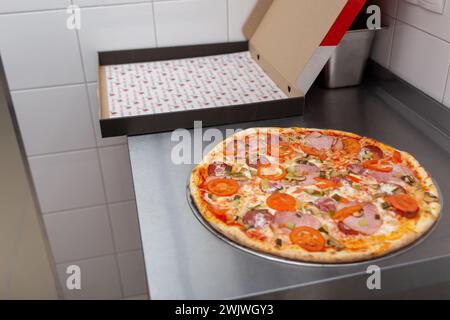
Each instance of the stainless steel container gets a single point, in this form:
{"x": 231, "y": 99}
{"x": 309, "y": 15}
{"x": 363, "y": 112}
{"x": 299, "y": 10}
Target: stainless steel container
{"x": 346, "y": 66}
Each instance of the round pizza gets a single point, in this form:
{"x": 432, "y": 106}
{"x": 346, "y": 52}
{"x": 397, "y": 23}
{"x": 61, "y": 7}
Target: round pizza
{"x": 314, "y": 195}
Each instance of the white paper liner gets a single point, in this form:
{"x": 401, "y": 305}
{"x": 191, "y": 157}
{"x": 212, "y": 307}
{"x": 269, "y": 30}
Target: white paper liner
{"x": 187, "y": 84}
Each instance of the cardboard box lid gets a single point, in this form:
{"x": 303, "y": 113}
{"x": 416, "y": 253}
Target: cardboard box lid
{"x": 293, "y": 39}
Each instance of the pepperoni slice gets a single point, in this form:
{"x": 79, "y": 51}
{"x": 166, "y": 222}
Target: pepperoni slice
{"x": 308, "y": 238}
{"x": 374, "y": 151}
{"x": 222, "y": 187}
{"x": 282, "y": 202}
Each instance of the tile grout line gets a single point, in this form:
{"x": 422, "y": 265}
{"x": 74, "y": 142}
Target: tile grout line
{"x": 100, "y": 256}
{"x": 228, "y": 20}
{"x": 56, "y": 86}
{"x": 117, "y": 4}
{"x": 397, "y": 5}
{"x": 392, "y": 44}
{"x": 46, "y": 154}
{"x": 32, "y": 11}
{"x": 447, "y": 84}
{"x": 48, "y": 213}
{"x": 424, "y": 31}
{"x": 102, "y": 177}
{"x": 81, "y": 7}
{"x": 154, "y": 24}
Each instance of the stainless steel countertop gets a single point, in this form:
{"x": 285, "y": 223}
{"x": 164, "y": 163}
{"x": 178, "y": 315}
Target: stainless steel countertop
{"x": 185, "y": 261}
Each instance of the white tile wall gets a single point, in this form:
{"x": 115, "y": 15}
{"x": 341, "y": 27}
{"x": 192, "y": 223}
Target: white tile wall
{"x": 67, "y": 180}
{"x": 184, "y": 22}
{"x": 238, "y": 12}
{"x": 30, "y": 5}
{"x": 421, "y": 59}
{"x": 112, "y": 28}
{"x": 100, "y": 279}
{"x": 79, "y": 234}
{"x": 420, "y": 51}
{"x": 433, "y": 23}
{"x": 38, "y": 50}
{"x": 115, "y": 161}
{"x": 43, "y": 114}
{"x": 132, "y": 271}
{"x": 125, "y": 226}
{"x": 381, "y": 51}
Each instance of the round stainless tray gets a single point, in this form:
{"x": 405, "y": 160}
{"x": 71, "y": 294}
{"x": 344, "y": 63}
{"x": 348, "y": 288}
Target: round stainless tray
{"x": 279, "y": 259}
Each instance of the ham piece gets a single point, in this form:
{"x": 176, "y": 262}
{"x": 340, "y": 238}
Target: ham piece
{"x": 395, "y": 176}
{"x": 369, "y": 222}
{"x": 309, "y": 171}
{"x": 296, "y": 219}
{"x": 319, "y": 141}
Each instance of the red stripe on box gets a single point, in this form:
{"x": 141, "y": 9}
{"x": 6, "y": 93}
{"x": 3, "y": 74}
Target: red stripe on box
{"x": 343, "y": 22}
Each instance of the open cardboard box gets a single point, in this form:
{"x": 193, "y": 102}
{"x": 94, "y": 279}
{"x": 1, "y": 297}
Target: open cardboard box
{"x": 161, "y": 89}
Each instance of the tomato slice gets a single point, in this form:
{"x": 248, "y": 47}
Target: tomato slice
{"x": 326, "y": 183}
{"x": 282, "y": 202}
{"x": 347, "y": 212}
{"x": 351, "y": 146}
{"x": 271, "y": 172}
{"x": 403, "y": 202}
{"x": 220, "y": 214}
{"x": 222, "y": 187}
{"x": 378, "y": 165}
{"x": 308, "y": 238}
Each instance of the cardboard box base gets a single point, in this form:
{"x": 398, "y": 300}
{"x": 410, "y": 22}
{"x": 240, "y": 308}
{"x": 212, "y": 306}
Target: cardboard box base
{"x": 167, "y": 121}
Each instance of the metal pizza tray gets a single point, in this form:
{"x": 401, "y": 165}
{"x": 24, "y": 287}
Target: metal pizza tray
{"x": 279, "y": 259}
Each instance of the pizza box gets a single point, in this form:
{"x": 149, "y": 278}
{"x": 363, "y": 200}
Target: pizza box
{"x": 161, "y": 89}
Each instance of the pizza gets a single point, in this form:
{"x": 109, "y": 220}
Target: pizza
{"x": 314, "y": 195}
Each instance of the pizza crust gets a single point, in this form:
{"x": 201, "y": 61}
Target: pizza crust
{"x": 294, "y": 252}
